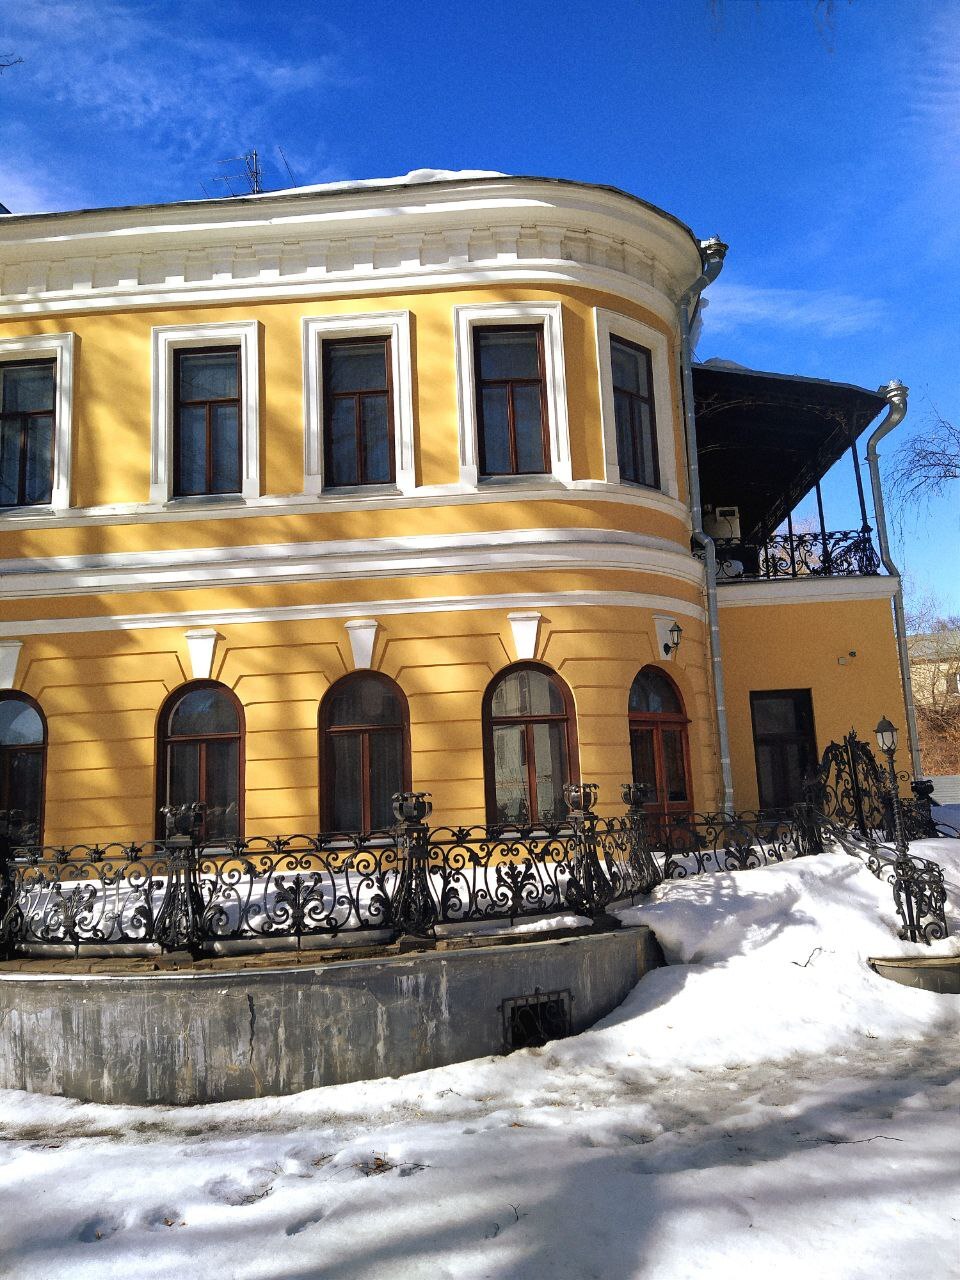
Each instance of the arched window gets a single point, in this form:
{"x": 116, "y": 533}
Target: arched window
{"x": 364, "y": 731}
{"x": 529, "y": 745}
{"x": 23, "y": 756}
{"x": 658, "y": 744}
{"x": 200, "y": 756}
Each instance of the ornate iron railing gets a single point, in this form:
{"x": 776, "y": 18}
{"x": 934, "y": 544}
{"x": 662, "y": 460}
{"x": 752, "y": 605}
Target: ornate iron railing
{"x": 840, "y": 553}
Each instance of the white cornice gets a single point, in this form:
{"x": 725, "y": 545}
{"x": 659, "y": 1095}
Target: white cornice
{"x": 468, "y": 233}
{"x": 356, "y": 559}
{"x": 807, "y": 590}
{"x": 360, "y": 609}
{"x": 373, "y": 499}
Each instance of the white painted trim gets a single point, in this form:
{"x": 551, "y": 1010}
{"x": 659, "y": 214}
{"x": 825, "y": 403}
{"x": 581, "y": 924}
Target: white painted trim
{"x": 360, "y": 609}
{"x": 550, "y": 315}
{"x": 739, "y": 595}
{"x": 415, "y": 555}
{"x": 40, "y": 347}
{"x": 229, "y": 508}
{"x": 201, "y": 643}
{"x": 394, "y": 325}
{"x": 244, "y": 334}
{"x": 9, "y": 657}
{"x": 362, "y": 633}
{"x": 525, "y": 625}
{"x": 611, "y": 324}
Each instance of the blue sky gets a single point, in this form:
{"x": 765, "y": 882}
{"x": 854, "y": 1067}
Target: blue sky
{"x": 828, "y": 157}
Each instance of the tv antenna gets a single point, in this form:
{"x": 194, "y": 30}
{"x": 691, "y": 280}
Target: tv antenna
{"x": 252, "y": 173}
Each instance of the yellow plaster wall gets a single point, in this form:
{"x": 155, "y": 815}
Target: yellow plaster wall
{"x": 101, "y": 692}
{"x": 797, "y": 646}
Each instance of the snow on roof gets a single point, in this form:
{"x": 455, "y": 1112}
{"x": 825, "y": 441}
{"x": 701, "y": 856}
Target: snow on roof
{"x": 413, "y": 178}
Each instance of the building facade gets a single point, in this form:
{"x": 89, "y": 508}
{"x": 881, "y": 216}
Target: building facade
{"x": 309, "y": 496}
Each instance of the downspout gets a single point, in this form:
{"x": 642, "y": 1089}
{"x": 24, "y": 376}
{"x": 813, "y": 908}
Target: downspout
{"x": 712, "y": 253}
{"x": 895, "y": 394}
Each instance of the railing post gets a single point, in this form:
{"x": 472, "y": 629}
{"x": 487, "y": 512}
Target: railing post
{"x": 177, "y": 923}
{"x": 414, "y": 912}
{"x": 10, "y": 823}
{"x": 595, "y": 890}
{"x": 922, "y": 789}
{"x": 635, "y": 795}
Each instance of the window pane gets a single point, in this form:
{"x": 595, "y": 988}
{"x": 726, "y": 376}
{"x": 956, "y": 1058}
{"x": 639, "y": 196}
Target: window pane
{"x": 653, "y": 693}
{"x": 356, "y": 366}
{"x": 38, "y": 480}
{"x": 192, "y": 449}
{"x": 775, "y": 715}
{"x": 629, "y": 368}
{"x": 526, "y": 693}
{"x": 9, "y": 462}
{"x": 342, "y": 443}
{"x": 376, "y": 439}
{"x": 511, "y": 792}
{"x": 528, "y": 426}
{"x": 183, "y": 773}
{"x": 28, "y": 388}
{"x": 645, "y": 762}
{"x": 386, "y": 776}
{"x": 204, "y": 711}
{"x": 495, "y": 431}
{"x": 225, "y": 437}
{"x": 647, "y": 448}
{"x": 626, "y": 443}
{"x": 514, "y": 353}
{"x": 675, "y": 781}
{"x": 550, "y": 763}
{"x": 221, "y": 819}
{"x": 207, "y": 375}
{"x": 344, "y": 785}
{"x": 20, "y": 725}
{"x": 364, "y": 701}
{"x": 24, "y": 774}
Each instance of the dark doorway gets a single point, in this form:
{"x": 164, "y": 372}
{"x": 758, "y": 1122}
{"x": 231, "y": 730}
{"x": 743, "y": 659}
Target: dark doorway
{"x": 784, "y": 743}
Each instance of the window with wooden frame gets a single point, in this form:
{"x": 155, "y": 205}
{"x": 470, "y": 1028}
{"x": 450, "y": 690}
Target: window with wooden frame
{"x": 634, "y": 412}
{"x": 365, "y": 752}
{"x": 23, "y": 759}
{"x": 358, "y": 419}
{"x": 207, "y": 445}
{"x": 529, "y": 744}
{"x": 659, "y": 750}
{"x": 200, "y": 757}
{"x": 512, "y": 426}
{"x": 28, "y": 394}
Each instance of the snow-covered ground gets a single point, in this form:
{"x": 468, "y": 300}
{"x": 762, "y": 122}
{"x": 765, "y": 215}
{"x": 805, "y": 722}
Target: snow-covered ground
{"x": 765, "y": 1106}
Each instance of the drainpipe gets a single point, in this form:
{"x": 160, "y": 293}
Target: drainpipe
{"x": 895, "y": 394}
{"x": 712, "y": 253}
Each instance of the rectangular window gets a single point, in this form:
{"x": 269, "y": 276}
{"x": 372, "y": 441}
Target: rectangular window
{"x": 27, "y": 432}
{"x": 357, "y": 412}
{"x": 511, "y": 402}
{"x": 784, "y": 743}
{"x": 206, "y": 430}
{"x": 634, "y": 413}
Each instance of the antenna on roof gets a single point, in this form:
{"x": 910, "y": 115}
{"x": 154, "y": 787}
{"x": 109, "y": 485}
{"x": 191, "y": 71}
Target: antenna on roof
{"x": 252, "y": 174}
{"x": 287, "y": 166}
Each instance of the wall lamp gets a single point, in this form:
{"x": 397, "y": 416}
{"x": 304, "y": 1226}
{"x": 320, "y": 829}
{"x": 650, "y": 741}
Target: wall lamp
{"x": 673, "y": 644}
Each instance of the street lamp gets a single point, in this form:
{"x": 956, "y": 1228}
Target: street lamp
{"x": 886, "y": 737}
{"x": 887, "y": 742}
{"x": 673, "y": 644}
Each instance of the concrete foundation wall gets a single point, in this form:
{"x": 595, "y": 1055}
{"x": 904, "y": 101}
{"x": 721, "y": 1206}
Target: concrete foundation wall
{"x": 190, "y": 1037}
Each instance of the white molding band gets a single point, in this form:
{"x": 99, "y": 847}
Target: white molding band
{"x": 60, "y": 347}
{"x": 167, "y": 338}
{"x": 360, "y": 609}
{"x": 201, "y": 643}
{"x": 362, "y": 633}
{"x": 9, "y": 657}
{"x": 394, "y": 325}
{"x": 807, "y": 590}
{"x": 550, "y": 315}
{"x": 611, "y": 324}
{"x": 415, "y": 555}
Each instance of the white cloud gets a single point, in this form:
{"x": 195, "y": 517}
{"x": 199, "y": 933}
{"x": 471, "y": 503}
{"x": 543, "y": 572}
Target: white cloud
{"x": 733, "y": 307}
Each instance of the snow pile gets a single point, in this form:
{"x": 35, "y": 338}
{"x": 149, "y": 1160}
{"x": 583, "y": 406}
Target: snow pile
{"x": 765, "y": 1104}
{"x": 413, "y": 178}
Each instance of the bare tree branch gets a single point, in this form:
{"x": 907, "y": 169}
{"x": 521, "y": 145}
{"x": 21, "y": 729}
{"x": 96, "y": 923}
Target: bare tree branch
{"x": 926, "y": 462}
{"x": 8, "y": 60}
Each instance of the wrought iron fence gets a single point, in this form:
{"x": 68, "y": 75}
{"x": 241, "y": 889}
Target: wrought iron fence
{"x": 840, "y": 553}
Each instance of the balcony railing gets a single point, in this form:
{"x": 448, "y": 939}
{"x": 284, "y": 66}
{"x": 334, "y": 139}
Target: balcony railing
{"x": 843, "y": 553}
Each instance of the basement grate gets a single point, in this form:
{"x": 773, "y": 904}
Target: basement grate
{"x": 530, "y": 1021}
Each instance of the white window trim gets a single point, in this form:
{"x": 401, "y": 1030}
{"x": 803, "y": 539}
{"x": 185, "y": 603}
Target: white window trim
{"x": 394, "y": 325}
{"x": 550, "y": 314}
{"x": 42, "y": 347}
{"x": 168, "y": 338}
{"x": 610, "y": 324}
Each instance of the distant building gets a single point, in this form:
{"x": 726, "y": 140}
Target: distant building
{"x": 315, "y": 495}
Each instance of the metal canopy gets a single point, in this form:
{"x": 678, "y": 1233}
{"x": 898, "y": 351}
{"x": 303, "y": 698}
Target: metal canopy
{"x": 766, "y": 439}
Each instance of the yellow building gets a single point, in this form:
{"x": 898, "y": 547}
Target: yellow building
{"x": 313, "y": 495}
